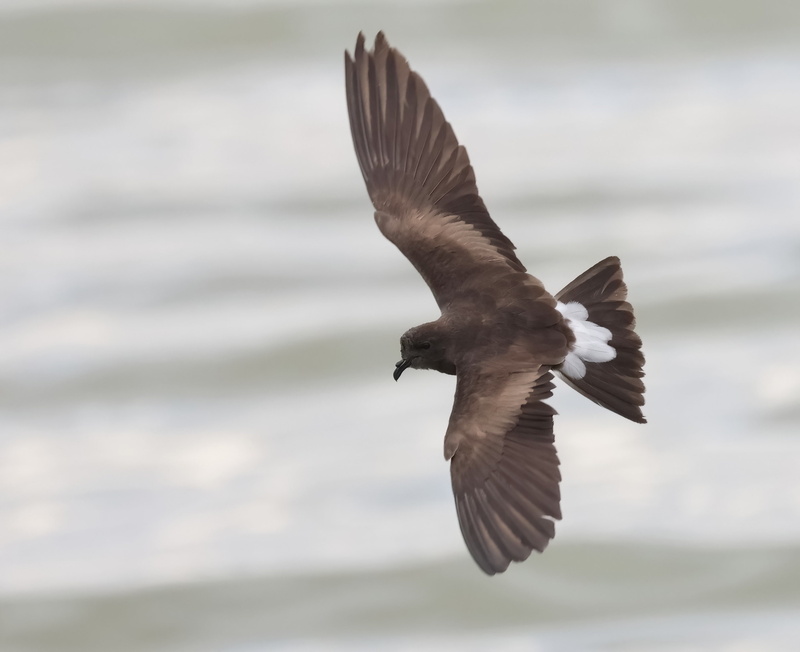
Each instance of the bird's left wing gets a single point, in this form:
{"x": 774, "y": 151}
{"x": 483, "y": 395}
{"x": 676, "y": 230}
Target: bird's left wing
{"x": 418, "y": 176}
{"x": 504, "y": 466}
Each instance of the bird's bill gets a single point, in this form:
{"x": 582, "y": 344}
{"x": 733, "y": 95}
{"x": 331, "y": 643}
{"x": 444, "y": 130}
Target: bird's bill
{"x": 400, "y": 367}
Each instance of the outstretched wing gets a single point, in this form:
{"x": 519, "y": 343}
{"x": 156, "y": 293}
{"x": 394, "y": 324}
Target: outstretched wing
{"x": 419, "y": 178}
{"x": 504, "y": 466}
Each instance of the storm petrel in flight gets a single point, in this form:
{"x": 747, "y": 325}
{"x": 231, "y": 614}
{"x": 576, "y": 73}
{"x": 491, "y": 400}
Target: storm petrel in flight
{"x": 500, "y": 332}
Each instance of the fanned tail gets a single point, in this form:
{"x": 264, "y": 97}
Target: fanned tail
{"x": 605, "y": 363}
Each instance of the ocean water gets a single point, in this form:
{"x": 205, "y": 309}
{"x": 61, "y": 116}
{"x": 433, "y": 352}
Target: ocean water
{"x": 201, "y": 445}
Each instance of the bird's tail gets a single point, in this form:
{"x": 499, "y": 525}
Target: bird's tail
{"x": 605, "y": 362}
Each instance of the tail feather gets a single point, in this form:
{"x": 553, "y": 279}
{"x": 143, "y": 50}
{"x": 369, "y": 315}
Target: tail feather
{"x": 612, "y": 380}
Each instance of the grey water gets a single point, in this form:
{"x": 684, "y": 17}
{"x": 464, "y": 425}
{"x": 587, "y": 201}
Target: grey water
{"x": 201, "y": 445}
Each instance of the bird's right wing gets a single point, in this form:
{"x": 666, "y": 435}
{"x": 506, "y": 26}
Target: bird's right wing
{"x": 504, "y": 466}
{"x": 418, "y": 177}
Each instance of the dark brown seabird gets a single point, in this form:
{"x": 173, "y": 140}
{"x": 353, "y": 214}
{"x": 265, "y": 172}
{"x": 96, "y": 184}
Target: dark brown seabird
{"x": 500, "y": 332}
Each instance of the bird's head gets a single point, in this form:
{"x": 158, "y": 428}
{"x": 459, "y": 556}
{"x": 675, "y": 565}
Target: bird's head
{"x": 424, "y": 347}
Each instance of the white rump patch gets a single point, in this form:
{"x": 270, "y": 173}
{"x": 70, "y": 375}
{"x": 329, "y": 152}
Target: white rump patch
{"x": 591, "y": 341}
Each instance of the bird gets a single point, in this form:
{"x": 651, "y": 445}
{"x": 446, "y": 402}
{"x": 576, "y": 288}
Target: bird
{"x": 500, "y": 332}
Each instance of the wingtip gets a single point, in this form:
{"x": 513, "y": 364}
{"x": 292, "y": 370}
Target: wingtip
{"x": 381, "y": 43}
{"x": 359, "y": 43}
{"x": 359, "y": 51}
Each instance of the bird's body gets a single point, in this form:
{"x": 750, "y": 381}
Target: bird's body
{"x": 500, "y": 332}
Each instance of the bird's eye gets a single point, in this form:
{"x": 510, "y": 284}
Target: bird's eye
{"x": 425, "y": 345}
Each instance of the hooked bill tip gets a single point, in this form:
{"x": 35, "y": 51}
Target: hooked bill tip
{"x": 400, "y": 367}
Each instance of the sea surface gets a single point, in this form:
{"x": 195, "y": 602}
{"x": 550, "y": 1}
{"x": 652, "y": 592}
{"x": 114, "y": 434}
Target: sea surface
{"x": 201, "y": 445}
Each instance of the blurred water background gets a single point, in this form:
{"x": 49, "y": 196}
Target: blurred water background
{"x": 201, "y": 446}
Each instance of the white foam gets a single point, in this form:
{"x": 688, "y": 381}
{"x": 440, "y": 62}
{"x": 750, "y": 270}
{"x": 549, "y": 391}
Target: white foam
{"x": 591, "y": 341}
